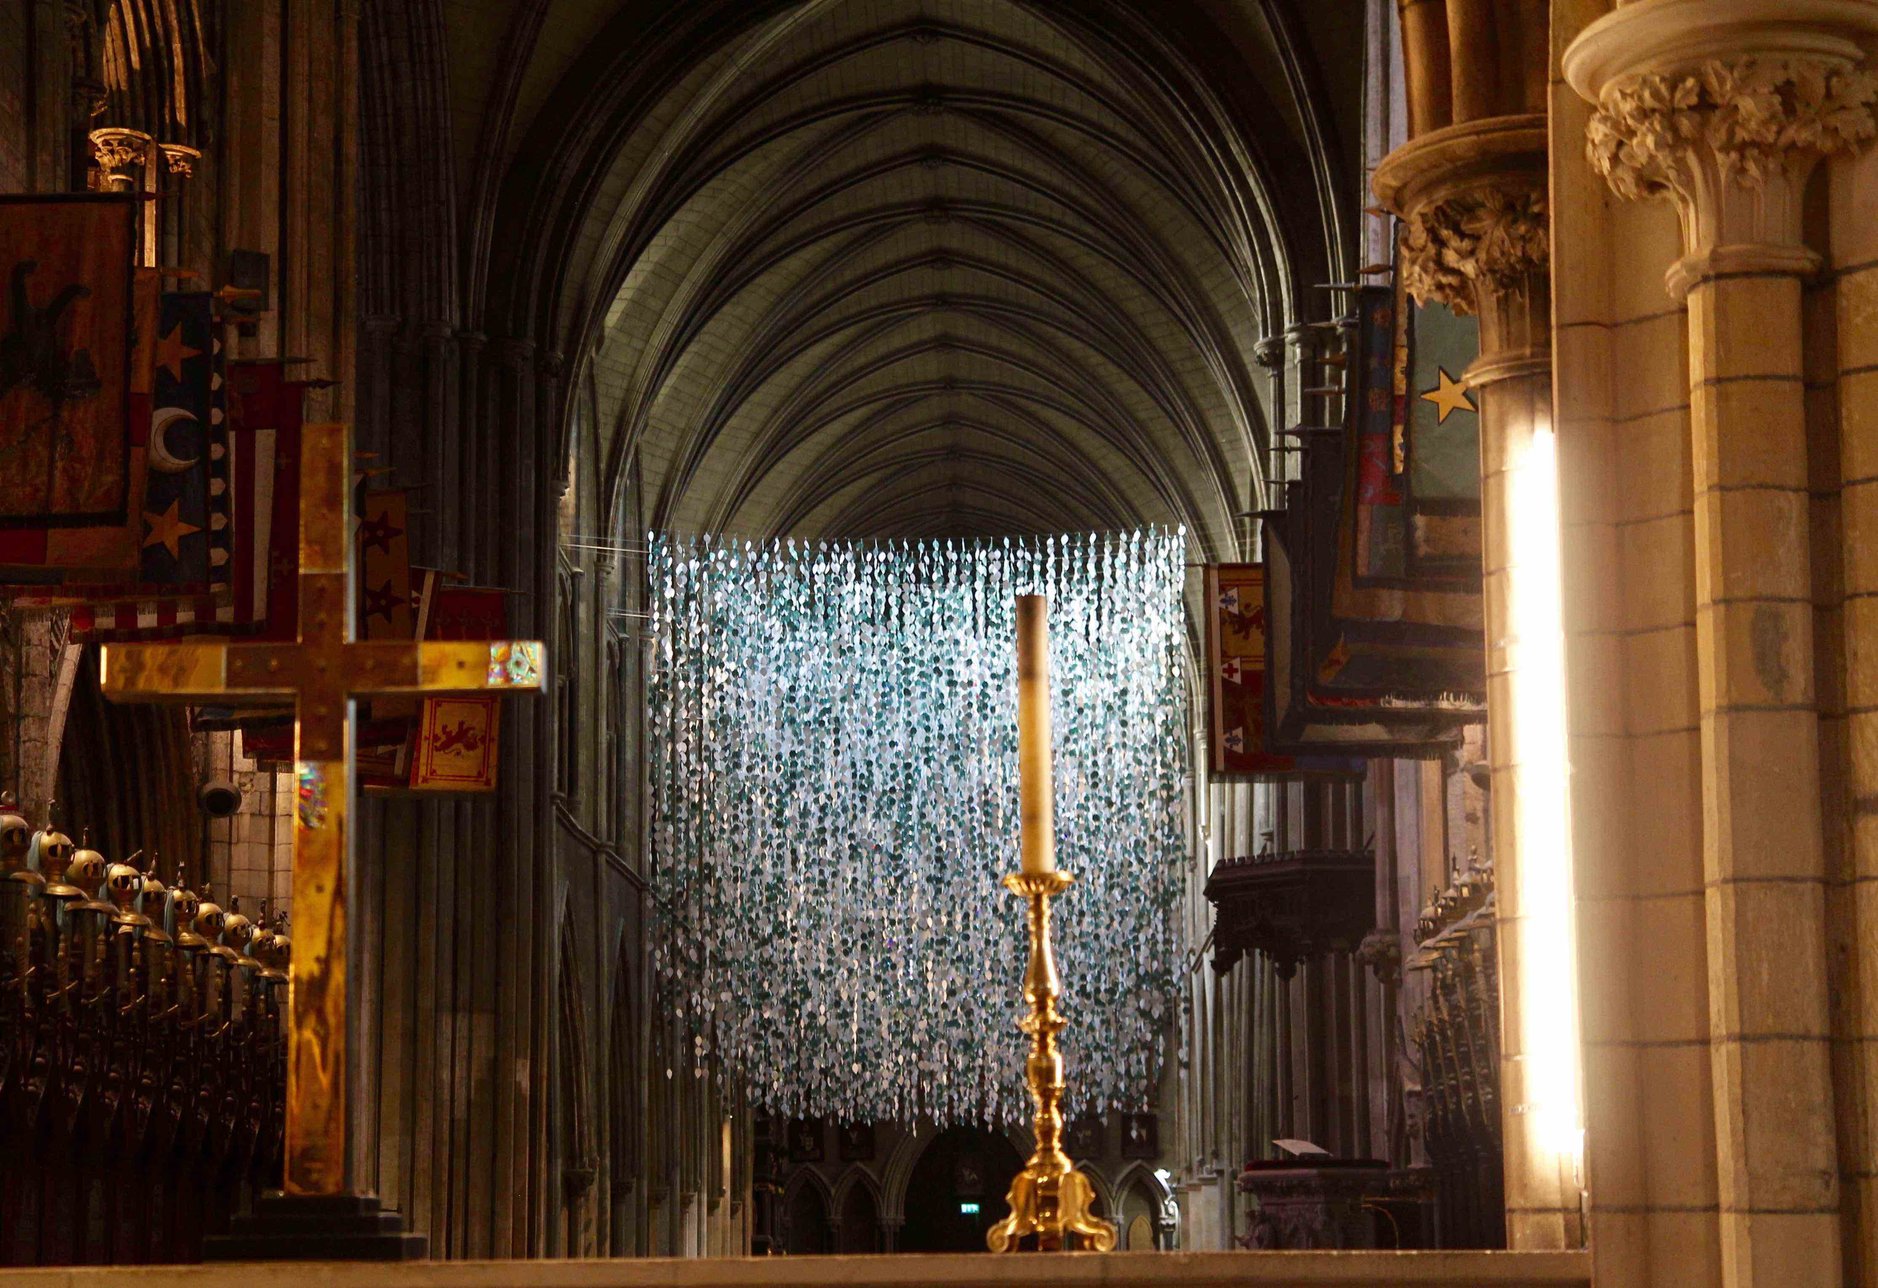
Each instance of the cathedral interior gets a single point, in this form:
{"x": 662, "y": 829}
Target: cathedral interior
{"x": 1491, "y": 386}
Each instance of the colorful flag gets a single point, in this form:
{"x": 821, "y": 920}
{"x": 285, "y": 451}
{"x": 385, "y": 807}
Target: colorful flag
{"x": 65, "y": 359}
{"x": 456, "y": 745}
{"x": 185, "y": 448}
{"x": 265, "y": 410}
{"x": 458, "y": 738}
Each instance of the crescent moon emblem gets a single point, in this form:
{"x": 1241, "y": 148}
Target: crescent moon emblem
{"x": 161, "y": 460}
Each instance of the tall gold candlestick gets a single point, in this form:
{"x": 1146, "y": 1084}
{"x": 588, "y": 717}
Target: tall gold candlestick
{"x": 1050, "y": 1200}
{"x": 1036, "y": 788}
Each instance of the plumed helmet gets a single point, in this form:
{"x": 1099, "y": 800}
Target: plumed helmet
{"x": 87, "y": 868}
{"x": 237, "y": 930}
{"x": 123, "y": 884}
{"x": 154, "y": 896}
{"x": 54, "y": 850}
{"x": 209, "y": 916}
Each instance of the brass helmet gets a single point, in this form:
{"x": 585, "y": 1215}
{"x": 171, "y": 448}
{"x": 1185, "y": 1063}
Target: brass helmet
{"x": 15, "y": 836}
{"x": 269, "y": 946}
{"x": 261, "y": 939}
{"x": 237, "y": 930}
{"x": 53, "y": 851}
{"x": 209, "y": 915}
{"x": 123, "y": 886}
{"x": 283, "y": 946}
{"x": 87, "y": 869}
{"x": 184, "y": 907}
{"x": 154, "y": 896}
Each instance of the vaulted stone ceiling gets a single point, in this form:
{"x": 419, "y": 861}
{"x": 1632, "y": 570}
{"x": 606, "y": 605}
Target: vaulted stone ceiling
{"x": 912, "y": 267}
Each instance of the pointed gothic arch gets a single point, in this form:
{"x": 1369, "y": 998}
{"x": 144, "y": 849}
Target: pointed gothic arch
{"x": 626, "y": 1125}
{"x": 808, "y": 1210}
{"x": 574, "y": 1135}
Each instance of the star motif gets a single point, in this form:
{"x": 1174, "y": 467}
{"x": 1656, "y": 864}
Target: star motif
{"x": 378, "y": 531}
{"x": 1450, "y": 396}
{"x": 171, "y": 352}
{"x": 168, "y": 528}
{"x": 381, "y": 602}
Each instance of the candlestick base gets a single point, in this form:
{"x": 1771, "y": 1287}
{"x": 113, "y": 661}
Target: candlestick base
{"x": 1050, "y": 1200}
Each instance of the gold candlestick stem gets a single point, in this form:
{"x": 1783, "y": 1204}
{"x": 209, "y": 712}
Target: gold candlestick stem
{"x": 1050, "y": 1200}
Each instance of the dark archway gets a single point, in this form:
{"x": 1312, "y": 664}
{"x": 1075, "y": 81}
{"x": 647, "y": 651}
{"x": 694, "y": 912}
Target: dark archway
{"x": 956, "y": 1191}
{"x": 859, "y": 1230}
{"x": 809, "y": 1233}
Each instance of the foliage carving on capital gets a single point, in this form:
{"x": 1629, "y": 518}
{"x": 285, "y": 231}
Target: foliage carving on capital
{"x": 1480, "y": 239}
{"x": 1751, "y": 119}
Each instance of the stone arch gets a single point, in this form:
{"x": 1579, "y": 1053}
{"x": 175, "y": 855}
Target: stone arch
{"x": 1138, "y": 1180}
{"x": 857, "y": 1174}
{"x": 969, "y": 1163}
{"x": 807, "y": 1191}
{"x": 1139, "y": 1173}
{"x": 850, "y": 1213}
{"x": 899, "y": 1170}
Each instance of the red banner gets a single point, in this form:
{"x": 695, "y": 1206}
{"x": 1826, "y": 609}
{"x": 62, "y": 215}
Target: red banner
{"x": 1236, "y": 673}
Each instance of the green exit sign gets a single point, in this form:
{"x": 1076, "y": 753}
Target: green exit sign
{"x": 968, "y": 1209}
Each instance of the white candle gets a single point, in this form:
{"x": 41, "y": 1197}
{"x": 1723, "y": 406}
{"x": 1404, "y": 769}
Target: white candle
{"x": 1036, "y": 814}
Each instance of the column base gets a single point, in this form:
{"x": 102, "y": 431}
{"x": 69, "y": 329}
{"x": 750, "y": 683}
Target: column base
{"x": 317, "y": 1227}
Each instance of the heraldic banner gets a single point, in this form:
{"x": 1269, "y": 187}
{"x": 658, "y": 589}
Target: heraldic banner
{"x": 1236, "y": 674}
{"x": 65, "y": 360}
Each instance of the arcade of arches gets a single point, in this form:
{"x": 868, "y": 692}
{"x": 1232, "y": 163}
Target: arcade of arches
{"x": 1549, "y": 918}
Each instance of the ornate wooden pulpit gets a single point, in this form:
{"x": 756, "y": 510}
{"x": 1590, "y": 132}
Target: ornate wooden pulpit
{"x": 319, "y": 1213}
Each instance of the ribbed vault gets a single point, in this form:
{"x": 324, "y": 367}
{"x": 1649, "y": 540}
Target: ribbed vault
{"x": 937, "y": 267}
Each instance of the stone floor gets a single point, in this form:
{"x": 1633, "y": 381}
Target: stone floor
{"x": 1115, "y": 1270}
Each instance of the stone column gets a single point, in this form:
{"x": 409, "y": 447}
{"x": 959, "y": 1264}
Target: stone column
{"x": 1473, "y": 196}
{"x": 1725, "y": 109}
{"x": 1853, "y": 408}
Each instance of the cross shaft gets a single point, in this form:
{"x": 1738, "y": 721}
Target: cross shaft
{"x": 319, "y": 674}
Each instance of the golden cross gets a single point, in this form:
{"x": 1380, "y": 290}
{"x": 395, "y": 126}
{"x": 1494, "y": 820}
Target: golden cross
{"x": 320, "y": 673}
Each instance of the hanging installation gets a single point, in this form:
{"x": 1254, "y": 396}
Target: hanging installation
{"x": 834, "y": 797}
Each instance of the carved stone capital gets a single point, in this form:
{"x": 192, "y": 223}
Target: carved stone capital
{"x": 1472, "y": 201}
{"x": 1482, "y": 240}
{"x": 1732, "y": 144}
{"x": 180, "y": 159}
{"x": 118, "y": 151}
{"x": 1725, "y": 110}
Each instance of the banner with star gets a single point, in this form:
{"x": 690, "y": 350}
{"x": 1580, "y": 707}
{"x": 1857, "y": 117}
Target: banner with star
{"x": 1376, "y": 642}
{"x": 185, "y": 487}
{"x": 164, "y": 570}
{"x": 1441, "y": 438}
{"x": 1414, "y": 491}
{"x": 385, "y": 610}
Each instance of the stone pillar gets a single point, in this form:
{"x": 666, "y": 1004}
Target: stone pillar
{"x": 1473, "y": 196}
{"x": 1853, "y": 407}
{"x": 1725, "y": 109}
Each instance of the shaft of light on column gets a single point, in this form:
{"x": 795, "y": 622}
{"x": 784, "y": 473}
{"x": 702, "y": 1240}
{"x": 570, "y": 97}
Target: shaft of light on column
{"x": 1036, "y": 812}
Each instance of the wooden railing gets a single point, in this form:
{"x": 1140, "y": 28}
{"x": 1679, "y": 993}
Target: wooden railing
{"x": 1111, "y": 1270}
